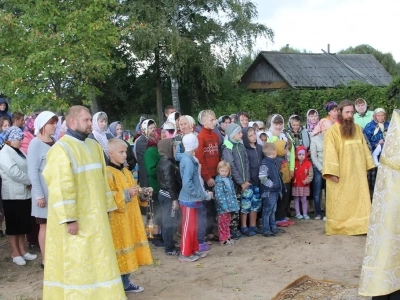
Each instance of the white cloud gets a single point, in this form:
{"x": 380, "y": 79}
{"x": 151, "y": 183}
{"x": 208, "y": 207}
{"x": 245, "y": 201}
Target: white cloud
{"x": 312, "y": 24}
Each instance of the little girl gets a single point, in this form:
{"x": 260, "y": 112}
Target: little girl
{"x": 303, "y": 175}
{"x": 226, "y": 202}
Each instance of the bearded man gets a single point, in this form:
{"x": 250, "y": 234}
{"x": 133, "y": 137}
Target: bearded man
{"x": 346, "y": 162}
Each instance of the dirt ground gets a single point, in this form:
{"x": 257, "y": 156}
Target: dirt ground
{"x": 253, "y": 268}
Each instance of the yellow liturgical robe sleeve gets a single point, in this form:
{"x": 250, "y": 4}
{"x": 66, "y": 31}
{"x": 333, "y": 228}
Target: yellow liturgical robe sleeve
{"x": 63, "y": 185}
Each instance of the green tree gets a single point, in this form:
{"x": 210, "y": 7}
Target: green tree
{"x": 179, "y": 36}
{"x": 54, "y": 52}
{"x": 385, "y": 59}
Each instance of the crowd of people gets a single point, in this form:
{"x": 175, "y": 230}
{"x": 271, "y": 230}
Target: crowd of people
{"x": 217, "y": 179}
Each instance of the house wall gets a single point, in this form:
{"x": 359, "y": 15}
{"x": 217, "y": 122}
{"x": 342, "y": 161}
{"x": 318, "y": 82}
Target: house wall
{"x": 264, "y": 76}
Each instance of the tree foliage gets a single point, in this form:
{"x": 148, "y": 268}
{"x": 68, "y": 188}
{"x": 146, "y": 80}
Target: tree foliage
{"x": 54, "y": 51}
{"x": 191, "y": 39}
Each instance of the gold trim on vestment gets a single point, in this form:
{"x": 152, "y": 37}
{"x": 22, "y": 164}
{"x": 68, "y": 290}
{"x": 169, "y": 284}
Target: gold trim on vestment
{"x": 132, "y": 248}
{"x": 388, "y": 163}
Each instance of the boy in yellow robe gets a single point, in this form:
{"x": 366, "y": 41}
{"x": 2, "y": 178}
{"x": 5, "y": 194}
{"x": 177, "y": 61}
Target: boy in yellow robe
{"x": 130, "y": 241}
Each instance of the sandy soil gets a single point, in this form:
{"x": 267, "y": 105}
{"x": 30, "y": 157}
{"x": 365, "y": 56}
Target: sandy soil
{"x": 253, "y": 268}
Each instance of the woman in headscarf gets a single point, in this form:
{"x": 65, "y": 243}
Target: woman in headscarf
{"x": 116, "y": 129}
{"x": 186, "y": 125}
{"x": 45, "y": 127}
{"x": 374, "y": 133}
{"x": 99, "y": 124}
{"x": 147, "y": 127}
{"x": 151, "y": 159}
{"x": 16, "y": 195}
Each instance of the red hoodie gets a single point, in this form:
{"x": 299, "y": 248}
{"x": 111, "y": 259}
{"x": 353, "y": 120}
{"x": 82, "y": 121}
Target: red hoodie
{"x": 302, "y": 170}
{"x": 208, "y": 153}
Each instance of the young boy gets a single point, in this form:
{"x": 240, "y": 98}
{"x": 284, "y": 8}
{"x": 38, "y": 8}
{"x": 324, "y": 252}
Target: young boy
{"x": 282, "y": 163}
{"x": 298, "y": 134}
{"x": 235, "y": 154}
{"x": 255, "y": 156}
{"x": 126, "y": 222}
{"x": 271, "y": 188}
{"x": 17, "y": 119}
{"x": 209, "y": 157}
{"x": 169, "y": 179}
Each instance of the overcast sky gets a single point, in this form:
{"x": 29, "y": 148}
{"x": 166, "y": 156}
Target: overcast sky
{"x": 312, "y": 24}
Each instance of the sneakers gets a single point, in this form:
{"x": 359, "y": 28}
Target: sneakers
{"x": 278, "y": 230}
{"x": 204, "y": 247}
{"x": 290, "y": 222}
{"x": 134, "y": 289}
{"x": 172, "y": 253}
{"x": 228, "y": 242}
{"x": 282, "y": 224}
{"x": 268, "y": 234}
{"x": 324, "y": 219}
{"x": 306, "y": 217}
{"x": 190, "y": 258}
{"x": 19, "y": 260}
{"x": 235, "y": 234}
{"x": 28, "y": 256}
{"x": 318, "y": 217}
{"x": 299, "y": 217}
{"x": 200, "y": 254}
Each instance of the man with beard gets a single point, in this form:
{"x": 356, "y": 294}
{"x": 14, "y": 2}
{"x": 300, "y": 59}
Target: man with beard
{"x": 345, "y": 165}
{"x": 80, "y": 255}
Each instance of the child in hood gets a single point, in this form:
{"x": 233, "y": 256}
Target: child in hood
{"x": 303, "y": 175}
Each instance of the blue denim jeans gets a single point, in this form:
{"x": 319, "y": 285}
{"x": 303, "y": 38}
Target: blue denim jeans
{"x": 317, "y": 189}
{"x": 268, "y": 213}
{"x": 201, "y": 224}
{"x": 125, "y": 280}
{"x": 169, "y": 224}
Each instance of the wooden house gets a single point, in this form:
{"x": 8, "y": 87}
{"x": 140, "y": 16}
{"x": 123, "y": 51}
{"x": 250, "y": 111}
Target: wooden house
{"x": 282, "y": 70}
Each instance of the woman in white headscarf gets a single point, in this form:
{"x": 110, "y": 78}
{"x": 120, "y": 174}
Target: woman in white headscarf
{"x": 99, "y": 133}
{"x": 45, "y": 126}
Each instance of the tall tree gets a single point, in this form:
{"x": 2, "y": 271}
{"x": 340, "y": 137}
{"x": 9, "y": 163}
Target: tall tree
{"x": 53, "y": 52}
{"x": 187, "y": 35}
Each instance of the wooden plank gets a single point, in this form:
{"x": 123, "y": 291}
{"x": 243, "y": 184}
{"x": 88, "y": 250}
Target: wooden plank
{"x": 268, "y": 85}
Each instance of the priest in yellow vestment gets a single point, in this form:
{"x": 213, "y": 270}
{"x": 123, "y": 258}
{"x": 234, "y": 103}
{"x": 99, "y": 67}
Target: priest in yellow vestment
{"x": 80, "y": 255}
{"x": 130, "y": 240}
{"x": 380, "y": 274}
{"x": 346, "y": 162}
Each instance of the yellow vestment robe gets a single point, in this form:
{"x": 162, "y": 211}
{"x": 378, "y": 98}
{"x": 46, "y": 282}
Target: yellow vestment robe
{"x": 380, "y": 274}
{"x": 348, "y": 202}
{"x": 82, "y": 266}
{"x": 127, "y": 227}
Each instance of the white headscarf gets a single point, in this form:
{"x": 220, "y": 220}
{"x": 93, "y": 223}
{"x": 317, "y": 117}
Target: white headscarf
{"x": 41, "y": 120}
{"x": 100, "y": 135}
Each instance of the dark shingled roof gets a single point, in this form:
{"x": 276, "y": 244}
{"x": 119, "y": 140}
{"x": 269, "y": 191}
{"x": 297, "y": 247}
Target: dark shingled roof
{"x": 309, "y": 70}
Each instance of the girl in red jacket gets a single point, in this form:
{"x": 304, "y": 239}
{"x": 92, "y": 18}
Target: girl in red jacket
{"x": 303, "y": 175}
